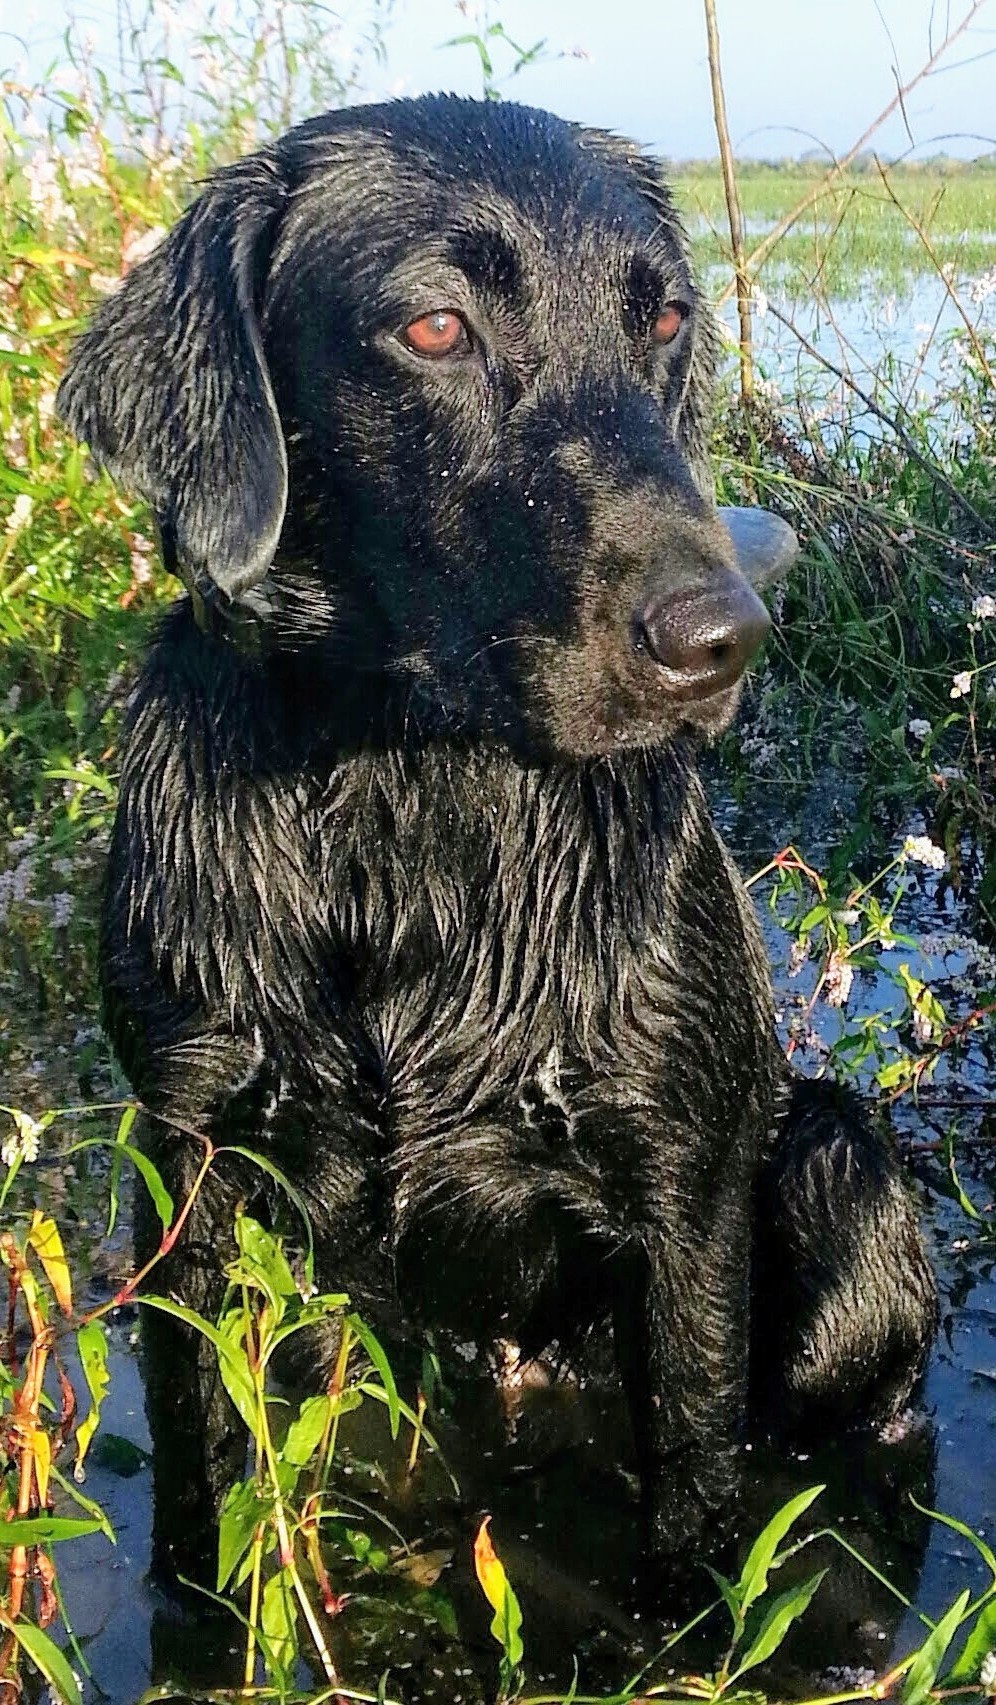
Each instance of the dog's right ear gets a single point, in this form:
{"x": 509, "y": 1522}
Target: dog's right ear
{"x": 170, "y": 389}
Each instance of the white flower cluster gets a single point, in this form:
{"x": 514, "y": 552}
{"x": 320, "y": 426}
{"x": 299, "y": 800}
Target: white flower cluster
{"x": 45, "y": 193}
{"x": 922, "y": 850}
{"x": 20, "y": 514}
{"x": 983, "y": 610}
{"x": 961, "y": 686}
{"x": 838, "y": 980}
{"x": 983, "y": 287}
{"x": 987, "y": 1673}
{"x": 919, "y": 727}
{"x": 25, "y": 1141}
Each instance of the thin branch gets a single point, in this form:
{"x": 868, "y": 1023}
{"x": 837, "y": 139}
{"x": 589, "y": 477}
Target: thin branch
{"x": 933, "y": 472}
{"x": 775, "y": 235}
{"x": 953, "y": 296}
{"x": 732, "y": 203}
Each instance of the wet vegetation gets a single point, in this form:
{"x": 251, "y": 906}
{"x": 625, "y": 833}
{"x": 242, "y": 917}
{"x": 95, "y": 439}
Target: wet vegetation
{"x": 859, "y": 788}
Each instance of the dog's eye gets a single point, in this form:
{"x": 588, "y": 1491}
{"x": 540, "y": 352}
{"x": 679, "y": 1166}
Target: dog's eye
{"x": 668, "y": 323}
{"x": 438, "y": 333}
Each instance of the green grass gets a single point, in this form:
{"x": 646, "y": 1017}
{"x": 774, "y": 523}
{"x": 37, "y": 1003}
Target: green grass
{"x": 853, "y": 232}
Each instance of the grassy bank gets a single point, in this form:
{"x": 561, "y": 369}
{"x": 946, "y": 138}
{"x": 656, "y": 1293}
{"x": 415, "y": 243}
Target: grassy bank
{"x": 854, "y": 233}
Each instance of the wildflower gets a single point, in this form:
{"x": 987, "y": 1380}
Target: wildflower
{"x": 848, "y": 916}
{"x": 898, "y": 1428}
{"x": 923, "y": 1028}
{"x": 983, "y": 287}
{"x": 140, "y": 246}
{"x": 24, "y": 1143}
{"x": 838, "y": 979}
{"x": 987, "y": 1674}
{"x": 141, "y": 559}
{"x": 962, "y": 684}
{"x": 919, "y": 727}
{"x": 45, "y": 191}
{"x": 798, "y": 957}
{"x": 984, "y": 608}
{"x": 922, "y": 850}
{"x": 20, "y": 515}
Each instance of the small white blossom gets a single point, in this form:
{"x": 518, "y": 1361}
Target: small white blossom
{"x": 984, "y": 608}
{"x": 839, "y": 977}
{"x": 962, "y": 684}
{"x": 25, "y": 1141}
{"x": 983, "y": 287}
{"x": 12, "y": 701}
{"x": 923, "y": 1028}
{"x": 141, "y": 245}
{"x": 849, "y": 915}
{"x": 20, "y": 514}
{"x": 987, "y": 1673}
{"x": 919, "y": 727}
{"x": 798, "y": 957}
{"x": 922, "y": 850}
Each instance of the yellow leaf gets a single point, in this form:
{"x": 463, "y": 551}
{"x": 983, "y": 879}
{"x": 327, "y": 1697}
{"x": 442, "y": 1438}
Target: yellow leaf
{"x": 488, "y": 1566}
{"x": 43, "y": 1463}
{"x": 44, "y": 1239}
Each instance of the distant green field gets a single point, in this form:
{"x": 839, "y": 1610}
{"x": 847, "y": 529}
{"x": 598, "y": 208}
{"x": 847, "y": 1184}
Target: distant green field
{"x": 854, "y": 230}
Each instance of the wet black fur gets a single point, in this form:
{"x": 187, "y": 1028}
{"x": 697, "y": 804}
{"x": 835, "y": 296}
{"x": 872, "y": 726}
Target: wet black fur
{"x": 413, "y": 884}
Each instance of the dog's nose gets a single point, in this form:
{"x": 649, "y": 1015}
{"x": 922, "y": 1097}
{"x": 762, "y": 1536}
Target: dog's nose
{"x": 702, "y": 637}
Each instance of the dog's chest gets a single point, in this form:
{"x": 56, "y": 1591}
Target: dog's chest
{"x": 539, "y": 956}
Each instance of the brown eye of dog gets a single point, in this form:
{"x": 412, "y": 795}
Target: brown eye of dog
{"x": 439, "y": 333}
{"x": 668, "y": 323}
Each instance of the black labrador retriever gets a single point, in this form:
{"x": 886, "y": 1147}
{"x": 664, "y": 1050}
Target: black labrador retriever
{"x": 413, "y": 885}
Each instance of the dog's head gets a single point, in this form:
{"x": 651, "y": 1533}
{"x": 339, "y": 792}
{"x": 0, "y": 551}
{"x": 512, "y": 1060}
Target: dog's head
{"x": 423, "y": 393}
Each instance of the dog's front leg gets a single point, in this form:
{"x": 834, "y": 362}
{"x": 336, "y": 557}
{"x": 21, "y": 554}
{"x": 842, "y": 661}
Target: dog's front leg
{"x": 681, "y": 1335}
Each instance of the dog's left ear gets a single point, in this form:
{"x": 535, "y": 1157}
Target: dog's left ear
{"x": 170, "y": 389}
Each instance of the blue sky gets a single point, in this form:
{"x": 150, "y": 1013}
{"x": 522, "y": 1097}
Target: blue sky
{"x": 799, "y": 73}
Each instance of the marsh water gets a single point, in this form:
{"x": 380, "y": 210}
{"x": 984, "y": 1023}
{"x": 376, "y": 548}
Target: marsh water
{"x": 553, "y": 1462}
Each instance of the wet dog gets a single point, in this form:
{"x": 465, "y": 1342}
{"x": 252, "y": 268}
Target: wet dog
{"x": 413, "y": 886}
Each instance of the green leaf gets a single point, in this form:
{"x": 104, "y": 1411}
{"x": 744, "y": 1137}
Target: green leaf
{"x": 264, "y": 1261}
{"x": 241, "y": 1514}
{"x": 91, "y": 1343}
{"x": 729, "y": 1595}
{"x": 44, "y": 1530}
{"x": 980, "y": 1642}
{"x": 232, "y": 1365}
{"x": 46, "y": 1657}
{"x": 377, "y": 1355}
{"x": 922, "y": 1673}
{"x": 121, "y": 1136}
{"x": 305, "y": 1433}
{"x": 985, "y": 1551}
{"x": 787, "y": 1608}
{"x": 161, "y": 1198}
{"x": 279, "y": 1627}
{"x": 754, "y": 1575}
{"x": 289, "y": 1190}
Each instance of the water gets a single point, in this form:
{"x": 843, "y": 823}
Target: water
{"x": 554, "y": 1466}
